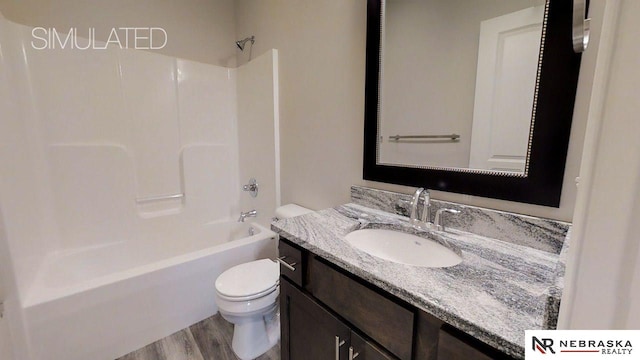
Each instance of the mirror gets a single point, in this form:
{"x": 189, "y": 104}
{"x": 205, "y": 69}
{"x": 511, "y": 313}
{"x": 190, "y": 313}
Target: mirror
{"x": 458, "y": 82}
{"x": 460, "y": 98}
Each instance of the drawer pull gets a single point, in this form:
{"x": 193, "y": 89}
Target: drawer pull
{"x": 338, "y": 344}
{"x": 285, "y": 264}
{"x": 352, "y": 354}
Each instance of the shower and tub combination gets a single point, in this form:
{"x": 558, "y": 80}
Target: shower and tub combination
{"x": 121, "y": 186}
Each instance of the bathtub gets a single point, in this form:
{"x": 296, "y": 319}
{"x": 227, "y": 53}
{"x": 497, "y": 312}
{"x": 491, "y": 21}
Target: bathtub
{"x": 104, "y": 301}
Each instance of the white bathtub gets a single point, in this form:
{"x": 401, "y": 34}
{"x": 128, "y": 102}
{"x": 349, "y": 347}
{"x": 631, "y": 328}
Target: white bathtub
{"x": 105, "y": 301}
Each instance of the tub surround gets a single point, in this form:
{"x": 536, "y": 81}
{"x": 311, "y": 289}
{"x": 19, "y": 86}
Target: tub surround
{"x": 499, "y": 290}
{"x": 118, "y": 166}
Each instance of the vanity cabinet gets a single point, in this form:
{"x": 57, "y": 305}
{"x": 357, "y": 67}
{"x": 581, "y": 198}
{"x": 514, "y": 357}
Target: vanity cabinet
{"x": 384, "y": 320}
{"x": 312, "y": 332}
{"x": 327, "y": 313}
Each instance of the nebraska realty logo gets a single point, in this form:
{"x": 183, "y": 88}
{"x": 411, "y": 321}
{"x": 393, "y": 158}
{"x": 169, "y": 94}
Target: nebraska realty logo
{"x": 561, "y": 344}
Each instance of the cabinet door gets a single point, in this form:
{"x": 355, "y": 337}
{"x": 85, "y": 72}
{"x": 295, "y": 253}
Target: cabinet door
{"x": 309, "y": 332}
{"x": 370, "y": 311}
{"x": 362, "y": 349}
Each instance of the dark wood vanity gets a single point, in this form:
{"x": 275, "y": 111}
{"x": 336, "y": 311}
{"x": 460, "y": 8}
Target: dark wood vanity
{"x": 327, "y": 313}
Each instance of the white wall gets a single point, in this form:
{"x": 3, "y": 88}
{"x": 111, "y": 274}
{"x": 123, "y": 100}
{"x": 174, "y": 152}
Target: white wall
{"x": 322, "y": 54}
{"x": 32, "y": 247}
{"x": 199, "y": 30}
{"x": 24, "y": 193}
{"x": 603, "y": 282}
{"x": 6, "y": 279}
{"x": 6, "y": 349}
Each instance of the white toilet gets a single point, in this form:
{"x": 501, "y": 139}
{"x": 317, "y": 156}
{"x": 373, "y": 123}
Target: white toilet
{"x": 247, "y": 296}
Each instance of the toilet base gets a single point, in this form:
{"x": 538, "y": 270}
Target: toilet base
{"x": 254, "y": 336}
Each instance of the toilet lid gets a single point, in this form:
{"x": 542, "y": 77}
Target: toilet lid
{"x": 248, "y": 279}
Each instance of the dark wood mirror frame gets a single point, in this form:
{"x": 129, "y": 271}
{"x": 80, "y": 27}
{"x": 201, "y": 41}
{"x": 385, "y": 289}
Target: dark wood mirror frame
{"x": 542, "y": 184}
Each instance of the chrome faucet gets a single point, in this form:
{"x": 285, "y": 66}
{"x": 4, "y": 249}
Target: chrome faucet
{"x": 413, "y": 215}
{"x": 438, "y": 223}
{"x": 424, "y": 223}
{"x": 244, "y": 215}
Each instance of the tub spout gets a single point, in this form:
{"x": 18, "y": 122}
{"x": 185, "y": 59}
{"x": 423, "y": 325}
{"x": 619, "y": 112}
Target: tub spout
{"x": 244, "y": 215}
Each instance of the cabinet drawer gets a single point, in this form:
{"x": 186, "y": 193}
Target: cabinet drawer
{"x": 380, "y": 318}
{"x": 293, "y": 257}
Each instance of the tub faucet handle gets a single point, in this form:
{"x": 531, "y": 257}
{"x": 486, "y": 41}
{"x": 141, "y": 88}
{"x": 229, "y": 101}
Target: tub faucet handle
{"x": 244, "y": 215}
{"x": 251, "y": 187}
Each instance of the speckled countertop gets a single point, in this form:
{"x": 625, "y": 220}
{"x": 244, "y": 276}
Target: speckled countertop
{"x": 498, "y": 291}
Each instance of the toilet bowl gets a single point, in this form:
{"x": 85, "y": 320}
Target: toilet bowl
{"x": 247, "y": 296}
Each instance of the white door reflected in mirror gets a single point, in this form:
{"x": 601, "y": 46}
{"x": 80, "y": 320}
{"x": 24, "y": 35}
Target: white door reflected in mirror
{"x": 505, "y": 89}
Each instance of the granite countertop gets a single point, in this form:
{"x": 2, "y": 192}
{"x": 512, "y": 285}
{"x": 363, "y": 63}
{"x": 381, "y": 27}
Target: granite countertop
{"x": 498, "y": 291}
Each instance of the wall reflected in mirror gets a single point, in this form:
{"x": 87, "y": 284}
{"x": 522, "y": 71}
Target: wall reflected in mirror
{"x": 459, "y": 67}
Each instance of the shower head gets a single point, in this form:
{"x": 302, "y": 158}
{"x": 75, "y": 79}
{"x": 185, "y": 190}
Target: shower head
{"x": 240, "y": 43}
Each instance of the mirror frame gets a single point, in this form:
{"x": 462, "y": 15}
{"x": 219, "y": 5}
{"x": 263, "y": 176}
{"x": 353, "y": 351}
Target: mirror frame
{"x": 549, "y": 139}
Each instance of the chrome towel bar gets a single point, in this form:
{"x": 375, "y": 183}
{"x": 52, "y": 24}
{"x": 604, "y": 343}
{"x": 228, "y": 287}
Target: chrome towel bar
{"x": 400, "y": 137}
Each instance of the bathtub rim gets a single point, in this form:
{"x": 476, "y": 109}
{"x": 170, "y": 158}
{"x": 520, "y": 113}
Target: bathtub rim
{"x": 40, "y": 294}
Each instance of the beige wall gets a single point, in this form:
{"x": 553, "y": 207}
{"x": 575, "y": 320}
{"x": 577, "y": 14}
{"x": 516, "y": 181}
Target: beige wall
{"x": 322, "y": 56}
{"x": 200, "y": 30}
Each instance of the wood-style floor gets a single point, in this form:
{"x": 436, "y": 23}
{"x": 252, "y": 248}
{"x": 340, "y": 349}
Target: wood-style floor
{"x": 209, "y": 339}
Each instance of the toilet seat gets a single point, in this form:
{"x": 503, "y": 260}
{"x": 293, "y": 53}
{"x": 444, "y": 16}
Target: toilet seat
{"x": 248, "y": 281}
{"x": 249, "y": 297}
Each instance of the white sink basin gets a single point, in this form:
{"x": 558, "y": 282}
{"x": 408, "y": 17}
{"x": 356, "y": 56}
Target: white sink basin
{"x": 403, "y": 248}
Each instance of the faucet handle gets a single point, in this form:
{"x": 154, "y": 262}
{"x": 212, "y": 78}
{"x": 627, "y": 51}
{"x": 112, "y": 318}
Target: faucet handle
{"x": 426, "y": 209}
{"x": 251, "y": 187}
{"x": 438, "y": 222}
{"x": 402, "y": 207}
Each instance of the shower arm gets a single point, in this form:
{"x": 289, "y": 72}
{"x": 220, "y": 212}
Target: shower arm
{"x": 241, "y": 43}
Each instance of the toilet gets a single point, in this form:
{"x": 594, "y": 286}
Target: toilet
{"x": 247, "y": 297}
